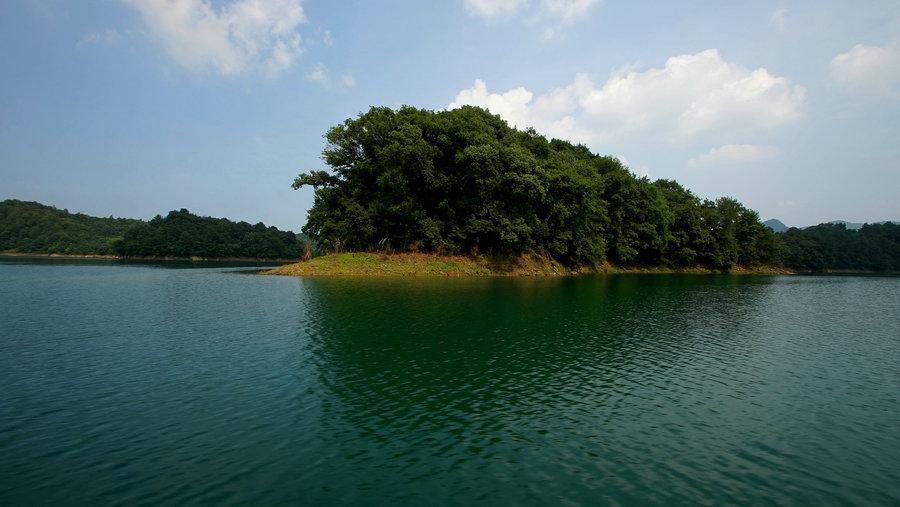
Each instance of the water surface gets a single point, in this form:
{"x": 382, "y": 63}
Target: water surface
{"x": 143, "y": 385}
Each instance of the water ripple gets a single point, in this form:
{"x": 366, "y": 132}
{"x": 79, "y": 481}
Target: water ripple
{"x": 140, "y": 386}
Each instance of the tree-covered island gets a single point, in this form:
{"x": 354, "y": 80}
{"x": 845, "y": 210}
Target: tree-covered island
{"x": 463, "y": 182}
{"x": 476, "y": 194}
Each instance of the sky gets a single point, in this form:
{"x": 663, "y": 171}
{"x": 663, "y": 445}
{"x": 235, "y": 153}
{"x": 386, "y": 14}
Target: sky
{"x": 136, "y": 107}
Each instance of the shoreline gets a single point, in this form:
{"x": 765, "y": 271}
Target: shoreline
{"x": 58, "y": 255}
{"x": 361, "y": 264}
{"x": 145, "y": 258}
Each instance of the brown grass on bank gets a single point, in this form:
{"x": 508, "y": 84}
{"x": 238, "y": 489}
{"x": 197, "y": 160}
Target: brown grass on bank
{"x": 420, "y": 264}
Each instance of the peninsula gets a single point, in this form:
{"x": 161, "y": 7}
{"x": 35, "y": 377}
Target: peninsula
{"x": 460, "y": 192}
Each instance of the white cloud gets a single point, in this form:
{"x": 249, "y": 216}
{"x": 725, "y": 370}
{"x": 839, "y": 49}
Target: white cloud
{"x": 779, "y": 18}
{"x": 788, "y": 204}
{"x": 641, "y": 171}
{"x": 327, "y": 39}
{"x": 490, "y": 9}
{"x": 870, "y": 69}
{"x": 109, "y": 36}
{"x": 513, "y": 105}
{"x": 690, "y": 95}
{"x": 551, "y": 15}
{"x": 567, "y": 10}
{"x": 733, "y": 154}
{"x": 231, "y": 39}
{"x": 318, "y": 74}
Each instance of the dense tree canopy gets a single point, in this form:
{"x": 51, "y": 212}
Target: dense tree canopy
{"x": 183, "y": 234}
{"x": 35, "y": 228}
{"x": 30, "y": 227}
{"x": 463, "y": 181}
{"x": 874, "y": 247}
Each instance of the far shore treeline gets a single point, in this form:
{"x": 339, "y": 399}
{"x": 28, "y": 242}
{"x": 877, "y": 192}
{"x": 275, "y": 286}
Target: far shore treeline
{"x": 30, "y": 227}
{"x": 465, "y": 182}
{"x": 183, "y": 234}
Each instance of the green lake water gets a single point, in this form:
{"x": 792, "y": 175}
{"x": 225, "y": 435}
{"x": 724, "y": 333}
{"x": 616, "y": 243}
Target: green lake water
{"x": 147, "y": 385}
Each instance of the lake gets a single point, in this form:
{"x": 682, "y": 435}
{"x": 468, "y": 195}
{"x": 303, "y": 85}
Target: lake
{"x": 167, "y": 384}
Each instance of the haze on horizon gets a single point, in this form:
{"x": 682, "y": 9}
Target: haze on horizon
{"x": 136, "y": 107}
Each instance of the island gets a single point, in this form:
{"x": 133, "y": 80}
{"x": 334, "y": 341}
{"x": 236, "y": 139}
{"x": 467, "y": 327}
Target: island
{"x": 460, "y": 192}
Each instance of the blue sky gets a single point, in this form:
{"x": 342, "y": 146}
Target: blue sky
{"x": 132, "y": 108}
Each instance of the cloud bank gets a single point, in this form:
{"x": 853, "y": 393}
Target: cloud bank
{"x": 733, "y": 154}
{"x": 690, "y": 95}
{"x": 230, "y": 40}
{"x": 869, "y": 69}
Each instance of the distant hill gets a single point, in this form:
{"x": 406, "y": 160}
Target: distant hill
{"x": 779, "y": 226}
{"x": 854, "y": 226}
{"x": 31, "y": 227}
{"x": 834, "y": 247}
{"x": 775, "y": 224}
{"x": 183, "y": 234}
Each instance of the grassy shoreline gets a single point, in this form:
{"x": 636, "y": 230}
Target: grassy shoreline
{"x": 416, "y": 264}
{"x": 409, "y": 264}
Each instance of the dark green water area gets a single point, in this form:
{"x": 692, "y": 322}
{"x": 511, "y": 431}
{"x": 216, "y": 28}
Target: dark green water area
{"x": 172, "y": 384}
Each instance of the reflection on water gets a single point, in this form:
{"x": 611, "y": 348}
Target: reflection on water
{"x": 138, "y": 385}
{"x": 507, "y": 383}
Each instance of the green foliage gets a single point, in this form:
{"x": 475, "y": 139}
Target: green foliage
{"x": 183, "y": 234}
{"x": 30, "y": 227}
{"x": 874, "y": 247}
{"x": 463, "y": 181}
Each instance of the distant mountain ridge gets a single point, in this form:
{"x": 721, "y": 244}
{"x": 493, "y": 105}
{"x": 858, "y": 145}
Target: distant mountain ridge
{"x": 779, "y": 226}
{"x": 854, "y": 226}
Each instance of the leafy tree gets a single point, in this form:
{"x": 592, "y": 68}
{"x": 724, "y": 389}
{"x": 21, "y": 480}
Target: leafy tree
{"x": 874, "y": 247}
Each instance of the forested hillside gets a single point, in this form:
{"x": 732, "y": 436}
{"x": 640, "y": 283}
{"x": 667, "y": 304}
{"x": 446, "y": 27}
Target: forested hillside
{"x": 30, "y": 227}
{"x": 35, "y": 228}
{"x": 832, "y": 246}
{"x": 183, "y": 234}
{"x": 463, "y": 181}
